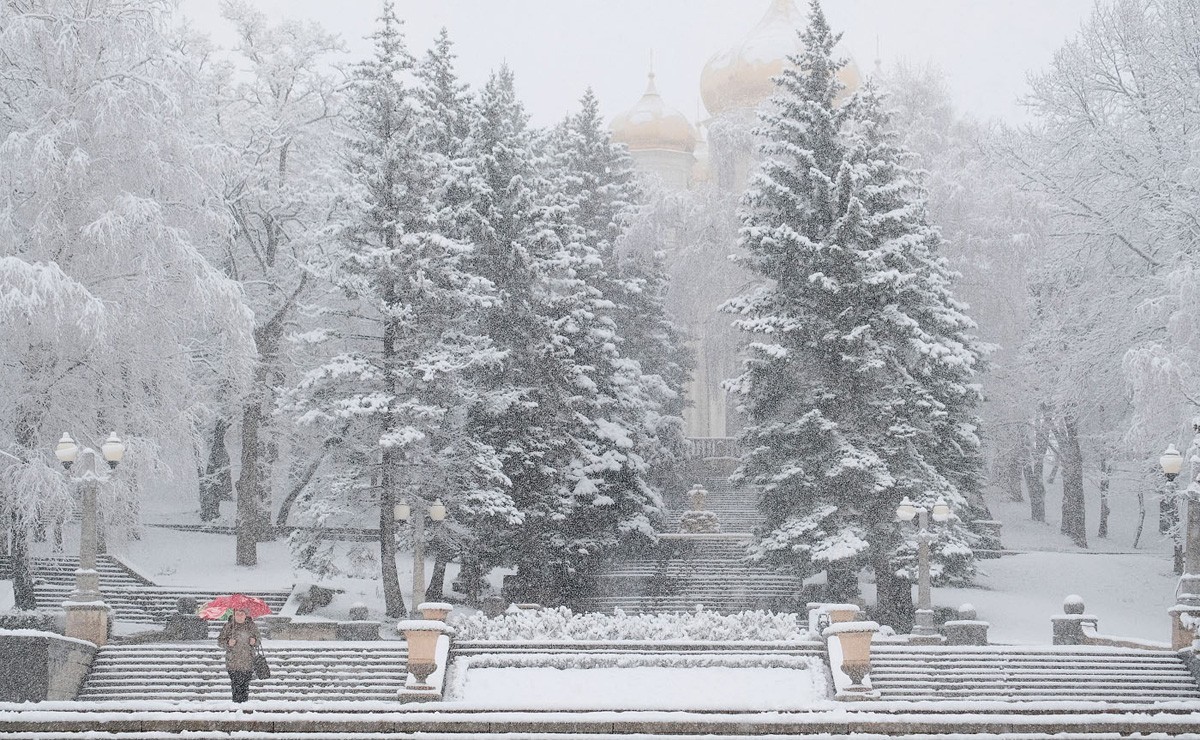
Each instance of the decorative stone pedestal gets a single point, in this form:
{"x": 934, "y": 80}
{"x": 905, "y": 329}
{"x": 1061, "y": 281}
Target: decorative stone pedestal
{"x": 88, "y": 620}
{"x": 966, "y": 630}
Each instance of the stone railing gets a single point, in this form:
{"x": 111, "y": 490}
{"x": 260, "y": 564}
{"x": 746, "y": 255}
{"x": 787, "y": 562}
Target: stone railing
{"x": 1074, "y": 627}
{"x": 706, "y": 447}
{"x": 41, "y": 666}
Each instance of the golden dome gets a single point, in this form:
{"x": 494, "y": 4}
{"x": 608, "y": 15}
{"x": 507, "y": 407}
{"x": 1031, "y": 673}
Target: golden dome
{"x": 651, "y": 124}
{"x": 741, "y": 76}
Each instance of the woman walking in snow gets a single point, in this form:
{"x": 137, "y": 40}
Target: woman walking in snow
{"x": 239, "y": 637}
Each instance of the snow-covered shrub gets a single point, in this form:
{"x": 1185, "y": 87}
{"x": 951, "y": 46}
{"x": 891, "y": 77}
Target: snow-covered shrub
{"x": 563, "y": 624}
{"x": 699, "y": 522}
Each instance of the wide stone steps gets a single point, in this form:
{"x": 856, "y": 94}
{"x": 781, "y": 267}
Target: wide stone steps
{"x": 869, "y": 721}
{"x": 998, "y": 673}
{"x": 132, "y": 598}
{"x": 61, "y": 570}
{"x": 736, "y": 508}
{"x": 144, "y": 604}
{"x": 663, "y": 605}
{"x": 183, "y": 672}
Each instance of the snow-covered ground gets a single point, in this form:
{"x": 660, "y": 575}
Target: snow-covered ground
{"x": 644, "y": 687}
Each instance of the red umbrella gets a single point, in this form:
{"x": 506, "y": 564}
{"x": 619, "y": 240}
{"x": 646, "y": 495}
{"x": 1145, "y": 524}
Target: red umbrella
{"x": 223, "y": 606}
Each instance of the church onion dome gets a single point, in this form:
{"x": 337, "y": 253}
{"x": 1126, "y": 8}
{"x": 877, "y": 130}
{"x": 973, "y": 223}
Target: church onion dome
{"x": 651, "y": 124}
{"x": 741, "y": 76}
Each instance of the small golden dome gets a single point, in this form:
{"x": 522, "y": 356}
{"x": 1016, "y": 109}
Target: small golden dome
{"x": 651, "y": 124}
{"x": 741, "y": 77}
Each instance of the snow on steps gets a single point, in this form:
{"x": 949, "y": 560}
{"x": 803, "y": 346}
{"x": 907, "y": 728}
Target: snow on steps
{"x": 867, "y": 721}
{"x": 736, "y": 508}
{"x": 131, "y": 597}
{"x": 695, "y": 569}
{"x": 1011, "y": 673}
{"x": 359, "y": 671}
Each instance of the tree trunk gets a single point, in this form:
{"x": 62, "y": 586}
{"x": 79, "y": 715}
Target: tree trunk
{"x": 1105, "y": 474}
{"x": 253, "y": 487}
{"x": 1168, "y": 509}
{"x": 1074, "y": 516}
{"x": 1137, "y": 536}
{"x": 1008, "y": 473}
{"x": 389, "y": 576}
{"x": 285, "y": 508}
{"x": 1035, "y": 469}
{"x": 894, "y": 602}
{"x": 22, "y": 575}
{"x": 248, "y": 496}
{"x": 268, "y": 456}
{"x": 437, "y": 579}
{"x": 216, "y": 484}
{"x": 25, "y": 433}
{"x": 471, "y": 579}
{"x": 390, "y": 469}
{"x": 842, "y": 583}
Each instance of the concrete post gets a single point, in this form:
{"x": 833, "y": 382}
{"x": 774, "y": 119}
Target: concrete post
{"x": 924, "y": 616}
{"x": 87, "y": 616}
{"x": 418, "y": 595}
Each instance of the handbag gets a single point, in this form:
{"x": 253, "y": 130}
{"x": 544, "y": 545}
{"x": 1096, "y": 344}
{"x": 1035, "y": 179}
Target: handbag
{"x": 262, "y": 669}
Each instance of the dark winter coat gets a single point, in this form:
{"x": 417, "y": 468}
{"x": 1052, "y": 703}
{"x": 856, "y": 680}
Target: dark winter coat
{"x": 239, "y": 656}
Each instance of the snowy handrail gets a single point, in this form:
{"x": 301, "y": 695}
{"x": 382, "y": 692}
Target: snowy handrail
{"x": 1093, "y": 637}
{"x": 1073, "y": 627}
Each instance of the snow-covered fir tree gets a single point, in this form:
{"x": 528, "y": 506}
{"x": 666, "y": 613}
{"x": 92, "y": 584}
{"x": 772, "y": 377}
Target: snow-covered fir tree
{"x": 858, "y": 382}
{"x": 596, "y": 400}
{"x": 481, "y": 504}
{"x": 598, "y": 178}
{"x": 571, "y": 416}
{"x": 395, "y": 384}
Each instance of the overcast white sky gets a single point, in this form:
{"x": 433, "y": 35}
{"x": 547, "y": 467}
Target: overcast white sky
{"x": 559, "y": 47}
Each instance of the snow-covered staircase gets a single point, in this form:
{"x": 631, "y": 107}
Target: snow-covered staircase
{"x": 692, "y": 570}
{"x": 736, "y": 507}
{"x": 337, "y": 671}
{"x": 708, "y": 570}
{"x": 133, "y": 598}
{"x": 1029, "y": 673}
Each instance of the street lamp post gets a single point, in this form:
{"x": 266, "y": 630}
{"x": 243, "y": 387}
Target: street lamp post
{"x": 907, "y": 511}
{"x": 1188, "y": 590}
{"x": 87, "y": 614}
{"x": 403, "y": 513}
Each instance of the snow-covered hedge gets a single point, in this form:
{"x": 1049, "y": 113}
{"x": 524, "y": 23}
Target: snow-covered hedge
{"x": 563, "y": 624}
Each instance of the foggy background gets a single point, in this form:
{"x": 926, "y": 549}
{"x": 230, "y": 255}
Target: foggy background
{"x": 559, "y": 47}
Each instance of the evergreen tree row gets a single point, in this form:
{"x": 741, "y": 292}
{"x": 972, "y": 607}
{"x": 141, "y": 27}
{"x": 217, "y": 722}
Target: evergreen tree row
{"x": 485, "y": 343}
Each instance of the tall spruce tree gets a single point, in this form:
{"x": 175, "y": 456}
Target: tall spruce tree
{"x": 408, "y": 337}
{"x": 598, "y": 178}
{"x": 858, "y": 380}
{"x": 499, "y": 223}
{"x": 482, "y": 509}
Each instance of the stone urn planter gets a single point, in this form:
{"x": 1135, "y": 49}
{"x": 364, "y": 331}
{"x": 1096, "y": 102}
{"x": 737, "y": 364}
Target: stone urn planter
{"x": 438, "y": 610}
{"x": 839, "y": 613}
{"x": 855, "y": 640}
{"x": 422, "y": 638}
